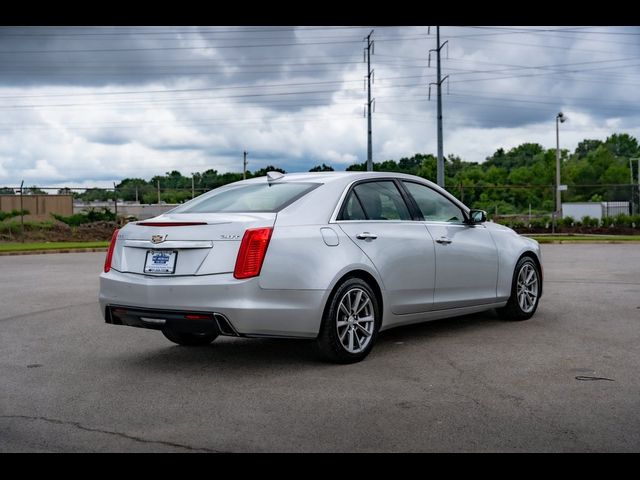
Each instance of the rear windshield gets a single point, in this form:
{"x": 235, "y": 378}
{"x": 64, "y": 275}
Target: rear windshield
{"x": 247, "y": 198}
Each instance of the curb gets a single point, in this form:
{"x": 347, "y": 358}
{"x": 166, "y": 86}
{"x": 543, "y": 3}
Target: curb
{"x": 589, "y": 242}
{"x": 53, "y": 250}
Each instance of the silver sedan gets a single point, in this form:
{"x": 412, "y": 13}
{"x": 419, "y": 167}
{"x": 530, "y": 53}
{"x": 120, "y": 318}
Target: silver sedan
{"x": 336, "y": 256}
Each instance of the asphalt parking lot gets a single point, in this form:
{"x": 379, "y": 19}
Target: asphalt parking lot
{"x": 71, "y": 383}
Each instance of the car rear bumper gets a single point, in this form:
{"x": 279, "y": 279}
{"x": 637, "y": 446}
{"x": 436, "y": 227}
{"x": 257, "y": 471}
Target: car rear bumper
{"x": 248, "y": 309}
{"x": 157, "y": 319}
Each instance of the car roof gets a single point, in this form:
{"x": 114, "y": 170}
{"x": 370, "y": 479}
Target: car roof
{"x": 328, "y": 177}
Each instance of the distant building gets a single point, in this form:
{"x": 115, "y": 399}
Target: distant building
{"x": 599, "y": 210}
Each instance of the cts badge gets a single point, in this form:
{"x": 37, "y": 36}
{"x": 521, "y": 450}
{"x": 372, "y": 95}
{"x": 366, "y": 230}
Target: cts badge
{"x": 158, "y": 238}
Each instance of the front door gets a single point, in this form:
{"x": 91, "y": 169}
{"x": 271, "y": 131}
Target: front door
{"x": 466, "y": 255}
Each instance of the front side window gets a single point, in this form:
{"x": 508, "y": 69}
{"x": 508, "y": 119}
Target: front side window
{"x": 434, "y": 206}
{"x": 261, "y": 197}
{"x": 375, "y": 201}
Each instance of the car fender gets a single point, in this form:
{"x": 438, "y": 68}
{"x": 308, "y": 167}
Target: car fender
{"x": 511, "y": 247}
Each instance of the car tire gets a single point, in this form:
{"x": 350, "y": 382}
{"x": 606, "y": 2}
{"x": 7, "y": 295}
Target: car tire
{"x": 526, "y": 287}
{"x": 189, "y": 339}
{"x": 350, "y": 323}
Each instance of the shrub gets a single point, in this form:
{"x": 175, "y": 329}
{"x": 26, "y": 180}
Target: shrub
{"x": 623, "y": 220}
{"x": 539, "y": 222}
{"x": 588, "y": 221}
{"x": 15, "y": 226}
{"x": 567, "y": 221}
{"x": 12, "y": 213}
{"x": 91, "y": 216}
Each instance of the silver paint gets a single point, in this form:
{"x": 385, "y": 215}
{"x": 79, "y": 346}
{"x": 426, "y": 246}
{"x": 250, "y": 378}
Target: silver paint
{"x": 423, "y": 270}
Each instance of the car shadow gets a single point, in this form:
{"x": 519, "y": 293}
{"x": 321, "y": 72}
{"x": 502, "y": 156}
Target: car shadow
{"x": 233, "y": 355}
{"x": 430, "y": 329}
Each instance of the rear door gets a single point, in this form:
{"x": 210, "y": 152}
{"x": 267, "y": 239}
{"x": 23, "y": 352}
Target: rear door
{"x": 376, "y": 217}
{"x": 466, "y": 256}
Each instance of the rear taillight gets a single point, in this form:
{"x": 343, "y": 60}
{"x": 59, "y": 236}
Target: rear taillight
{"x": 112, "y": 245}
{"x": 252, "y": 251}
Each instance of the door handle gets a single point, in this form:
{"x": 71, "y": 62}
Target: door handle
{"x": 443, "y": 241}
{"x": 366, "y": 235}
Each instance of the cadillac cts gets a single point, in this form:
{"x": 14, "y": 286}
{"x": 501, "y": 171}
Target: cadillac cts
{"x": 337, "y": 257}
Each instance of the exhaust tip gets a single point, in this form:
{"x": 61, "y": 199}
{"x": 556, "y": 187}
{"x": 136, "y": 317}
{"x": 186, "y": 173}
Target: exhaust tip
{"x": 224, "y": 325}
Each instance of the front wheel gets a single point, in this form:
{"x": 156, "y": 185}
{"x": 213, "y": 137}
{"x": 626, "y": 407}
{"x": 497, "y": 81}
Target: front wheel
{"x": 525, "y": 291}
{"x": 350, "y": 323}
{"x": 189, "y": 339}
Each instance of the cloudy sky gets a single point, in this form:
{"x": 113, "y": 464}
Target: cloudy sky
{"x": 87, "y": 106}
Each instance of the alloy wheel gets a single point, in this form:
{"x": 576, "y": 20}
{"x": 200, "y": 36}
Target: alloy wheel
{"x": 355, "y": 320}
{"x": 527, "y": 288}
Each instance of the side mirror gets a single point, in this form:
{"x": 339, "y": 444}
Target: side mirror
{"x": 477, "y": 216}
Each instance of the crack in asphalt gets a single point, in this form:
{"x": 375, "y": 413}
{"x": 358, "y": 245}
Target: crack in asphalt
{"x": 109, "y": 432}
{"x": 519, "y": 401}
{"x": 47, "y": 310}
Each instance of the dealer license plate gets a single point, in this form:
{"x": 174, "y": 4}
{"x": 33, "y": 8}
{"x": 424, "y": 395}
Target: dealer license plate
{"x": 160, "y": 261}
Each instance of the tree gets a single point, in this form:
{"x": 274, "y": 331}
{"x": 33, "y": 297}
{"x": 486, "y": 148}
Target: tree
{"x": 7, "y": 191}
{"x": 263, "y": 171}
{"x": 586, "y": 146}
{"x": 33, "y": 190}
{"x": 322, "y": 168}
{"x": 359, "y": 167}
{"x": 131, "y": 188}
{"x": 522, "y": 155}
{"x": 411, "y": 165}
{"x": 622, "y": 145}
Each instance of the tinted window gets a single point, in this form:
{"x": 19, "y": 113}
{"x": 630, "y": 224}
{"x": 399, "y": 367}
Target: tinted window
{"x": 353, "y": 209}
{"x": 381, "y": 201}
{"x": 433, "y": 205}
{"x": 247, "y": 198}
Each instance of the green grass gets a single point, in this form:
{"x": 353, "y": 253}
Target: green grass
{"x": 585, "y": 238}
{"x": 28, "y": 246}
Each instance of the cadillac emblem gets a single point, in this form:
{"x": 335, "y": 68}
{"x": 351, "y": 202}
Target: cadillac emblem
{"x": 158, "y": 238}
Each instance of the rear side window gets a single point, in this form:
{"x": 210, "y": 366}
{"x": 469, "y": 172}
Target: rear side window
{"x": 375, "y": 201}
{"x": 248, "y": 198}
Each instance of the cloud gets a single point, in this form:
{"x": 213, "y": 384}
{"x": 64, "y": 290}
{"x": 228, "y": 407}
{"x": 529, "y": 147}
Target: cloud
{"x": 104, "y": 103}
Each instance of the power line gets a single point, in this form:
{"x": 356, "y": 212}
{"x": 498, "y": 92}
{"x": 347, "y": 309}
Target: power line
{"x": 207, "y": 47}
{"x": 567, "y": 30}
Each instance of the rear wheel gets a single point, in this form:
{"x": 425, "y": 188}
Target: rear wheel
{"x": 350, "y": 323}
{"x": 189, "y": 339}
{"x": 525, "y": 291}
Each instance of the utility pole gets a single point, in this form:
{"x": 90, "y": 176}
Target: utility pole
{"x": 158, "y": 191}
{"x": 633, "y": 210}
{"x": 244, "y": 166}
{"x": 560, "y": 118}
{"x": 21, "y": 212}
{"x": 115, "y": 201}
{"x": 193, "y": 187}
{"x": 440, "y": 164}
{"x": 369, "y": 50}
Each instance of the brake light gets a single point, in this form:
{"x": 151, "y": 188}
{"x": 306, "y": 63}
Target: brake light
{"x": 112, "y": 246}
{"x": 252, "y": 252}
{"x": 194, "y": 316}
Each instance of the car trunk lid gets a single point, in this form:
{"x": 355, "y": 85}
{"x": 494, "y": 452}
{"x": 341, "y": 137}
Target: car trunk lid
{"x": 185, "y": 244}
